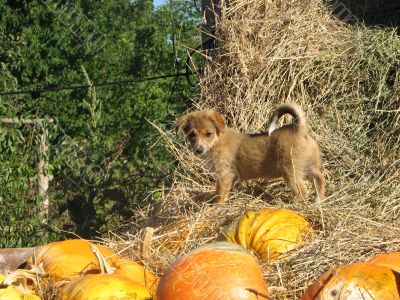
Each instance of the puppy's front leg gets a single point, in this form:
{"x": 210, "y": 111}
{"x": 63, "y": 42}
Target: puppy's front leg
{"x": 297, "y": 186}
{"x": 224, "y": 185}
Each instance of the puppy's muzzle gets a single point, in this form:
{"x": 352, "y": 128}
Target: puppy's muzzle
{"x": 199, "y": 150}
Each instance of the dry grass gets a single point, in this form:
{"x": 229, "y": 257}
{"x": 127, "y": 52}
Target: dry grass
{"x": 348, "y": 81}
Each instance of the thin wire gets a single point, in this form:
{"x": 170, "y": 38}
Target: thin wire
{"x": 101, "y": 84}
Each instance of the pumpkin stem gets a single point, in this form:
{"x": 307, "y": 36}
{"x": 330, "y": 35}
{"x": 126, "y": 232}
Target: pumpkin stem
{"x": 105, "y": 267}
{"x": 257, "y": 293}
{"x": 146, "y": 242}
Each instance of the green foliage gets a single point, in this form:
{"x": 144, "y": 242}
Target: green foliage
{"x": 19, "y": 222}
{"x": 105, "y": 156}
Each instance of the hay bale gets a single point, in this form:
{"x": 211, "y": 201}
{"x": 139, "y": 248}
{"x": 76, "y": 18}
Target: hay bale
{"x": 348, "y": 81}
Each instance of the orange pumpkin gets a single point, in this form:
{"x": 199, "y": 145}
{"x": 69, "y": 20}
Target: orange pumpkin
{"x": 135, "y": 272}
{"x": 271, "y": 233}
{"x": 355, "y": 281}
{"x": 388, "y": 260}
{"x": 103, "y": 287}
{"x": 218, "y": 271}
{"x": 68, "y": 259}
{"x": 106, "y": 285}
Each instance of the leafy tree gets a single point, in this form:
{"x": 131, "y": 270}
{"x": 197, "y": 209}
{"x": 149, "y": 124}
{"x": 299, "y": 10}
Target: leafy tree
{"x": 104, "y": 155}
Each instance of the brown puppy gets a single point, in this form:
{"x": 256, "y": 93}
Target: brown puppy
{"x": 288, "y": 152}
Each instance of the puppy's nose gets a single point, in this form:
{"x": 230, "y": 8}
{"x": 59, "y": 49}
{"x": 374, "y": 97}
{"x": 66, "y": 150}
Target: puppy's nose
{"x": 199, "y": 150}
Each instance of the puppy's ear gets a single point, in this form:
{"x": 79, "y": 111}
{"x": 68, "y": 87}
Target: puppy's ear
{"x": 218, "y": 120}
{"x": 181, "y": 123}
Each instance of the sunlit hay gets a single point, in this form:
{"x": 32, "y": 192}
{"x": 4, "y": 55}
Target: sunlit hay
{"x": 347, "y": 79}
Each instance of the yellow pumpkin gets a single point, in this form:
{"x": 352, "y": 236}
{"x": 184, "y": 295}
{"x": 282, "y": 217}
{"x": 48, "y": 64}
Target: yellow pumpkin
{"x": 271, "y": 233}
{"x": 68, "y": 259}
{"x": 135, "y": 272}
{"x": 11, "y": 292}
{"x": 355, "y": 281}
{"x": 103, "y": 287}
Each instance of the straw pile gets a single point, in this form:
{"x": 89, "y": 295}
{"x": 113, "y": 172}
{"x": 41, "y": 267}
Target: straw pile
{"x": 347, "y": 79}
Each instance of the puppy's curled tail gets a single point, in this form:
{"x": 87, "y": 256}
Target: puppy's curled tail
{"x": 293, "y": 109}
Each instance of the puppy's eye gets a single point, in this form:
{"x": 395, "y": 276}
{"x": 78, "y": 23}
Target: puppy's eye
{"x": 191, "y": 135}
{"x": 209, "y": 134}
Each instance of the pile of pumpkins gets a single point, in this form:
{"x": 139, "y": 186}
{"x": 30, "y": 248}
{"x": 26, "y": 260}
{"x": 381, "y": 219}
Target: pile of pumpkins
{"x": 81, "y": 270}
{"x": 227, "y": 269}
